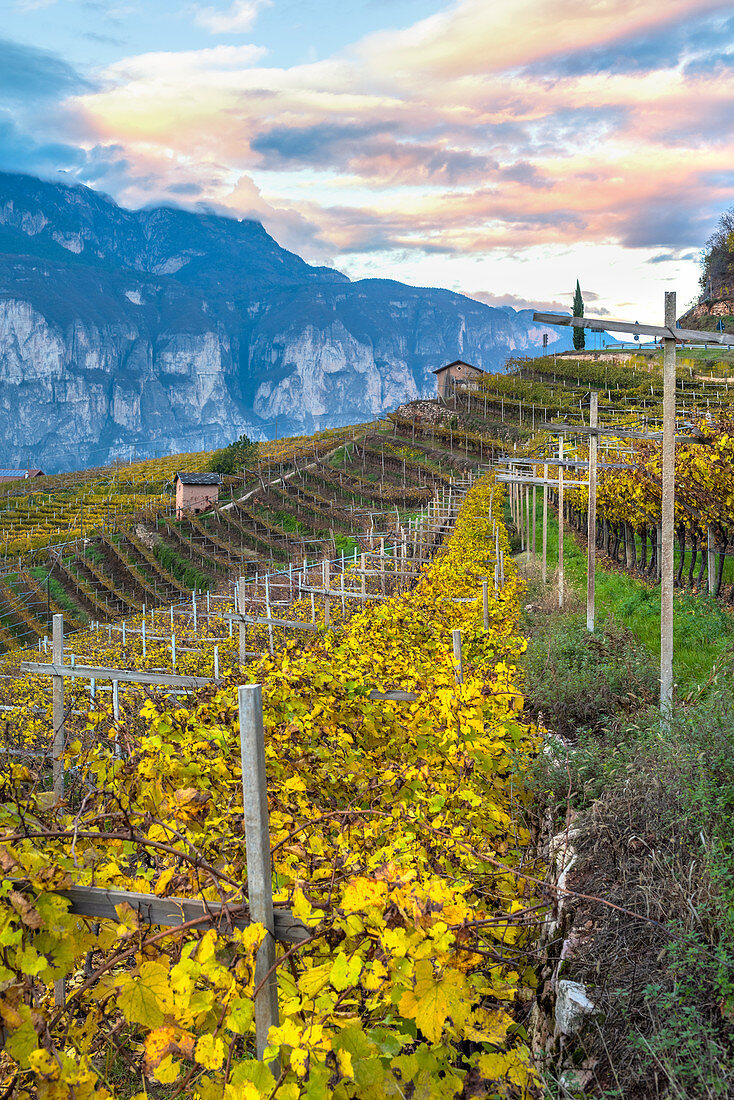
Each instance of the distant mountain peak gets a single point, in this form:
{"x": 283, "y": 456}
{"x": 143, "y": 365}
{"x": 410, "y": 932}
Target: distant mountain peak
{"x": 166, "y": 329}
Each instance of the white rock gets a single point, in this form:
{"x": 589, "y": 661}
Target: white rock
{"x": 572, "y": 1006}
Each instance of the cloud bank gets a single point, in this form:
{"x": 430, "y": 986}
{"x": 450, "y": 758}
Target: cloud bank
{"x": 483, "y": 129}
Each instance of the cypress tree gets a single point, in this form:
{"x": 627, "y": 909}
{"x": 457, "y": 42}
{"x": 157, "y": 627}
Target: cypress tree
{"x": 579, "y": 341}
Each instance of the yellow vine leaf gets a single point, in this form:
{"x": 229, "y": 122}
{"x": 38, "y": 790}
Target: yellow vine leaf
{"x": 363, "y": 893}
{"x": 433, "y": 1000}
{"x": 146, "y": 997}
{"x": 209, "y": 1051}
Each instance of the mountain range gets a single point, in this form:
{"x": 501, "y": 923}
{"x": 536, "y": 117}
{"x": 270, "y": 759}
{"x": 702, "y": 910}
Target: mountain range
{"x": 161, "y": 330}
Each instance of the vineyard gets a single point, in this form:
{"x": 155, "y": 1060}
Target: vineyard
{"x": 304, "y": 498}
{"x": 63, "y": 508}
{"x": 278, "y": 796}
{"x": 394, "y": 834}
{"x": 540, "y": 392}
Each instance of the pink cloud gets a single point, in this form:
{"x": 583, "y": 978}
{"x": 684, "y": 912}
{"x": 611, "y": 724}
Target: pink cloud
{"x": 442, "y": 137}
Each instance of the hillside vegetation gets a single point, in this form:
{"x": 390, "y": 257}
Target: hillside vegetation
{"x": 475, "y": 810}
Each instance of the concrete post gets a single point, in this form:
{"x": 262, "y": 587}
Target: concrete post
{"x": 242, "y": 607}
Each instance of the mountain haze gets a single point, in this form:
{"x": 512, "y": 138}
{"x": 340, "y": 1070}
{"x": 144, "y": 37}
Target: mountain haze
{"x": 163, "y": 330}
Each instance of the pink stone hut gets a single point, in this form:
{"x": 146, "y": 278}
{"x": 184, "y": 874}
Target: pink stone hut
{"x": 455, "y": 374}
{"x": 196, "y": 492}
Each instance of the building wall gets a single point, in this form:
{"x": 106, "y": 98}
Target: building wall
{"x": 448, "y": 378}
{"x": 195, "y": 498}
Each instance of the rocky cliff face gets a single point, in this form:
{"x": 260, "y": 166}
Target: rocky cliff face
{"x": 159, "y": 331}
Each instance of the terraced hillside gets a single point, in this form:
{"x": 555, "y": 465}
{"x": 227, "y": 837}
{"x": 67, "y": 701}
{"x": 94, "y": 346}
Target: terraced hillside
{"x": 304, "y": 498}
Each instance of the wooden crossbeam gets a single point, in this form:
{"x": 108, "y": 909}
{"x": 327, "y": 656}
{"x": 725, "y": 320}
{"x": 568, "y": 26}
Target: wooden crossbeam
{"x": 337, "y": 593}
{"x": 395, "y": 696}
{"x": 620, "y": 432}
{"x": 663, "y": 332}
{"x": 568, "y": 464}
{"x": 91, "y": 901}
{"x": 382, "y": 573}
{"x": 124, "y": 675}
{"x": 262, "y": 620}
{"x": 518, "y": 479}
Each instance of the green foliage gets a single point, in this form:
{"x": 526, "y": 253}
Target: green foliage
{"x": 579, "y": 340}
{"x": 185, "y": 571}
{"x": 58, "y": 593}
{"x": 717, "y": 260}
{"x": 232, "y": 458}
{"x": 582, "y": 680}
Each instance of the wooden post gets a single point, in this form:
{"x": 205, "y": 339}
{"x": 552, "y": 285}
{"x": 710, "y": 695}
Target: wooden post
{"x": 527, "y": 517}
{"x": 57, "y": 707}
{"x": 521, "y": 516}
{"x": 485, "y": 601}
{"x": 591, "y": 526}
{"x": 560, "y": 522}
{"x": 242, "y": 607}
{"x": 458, "y": 658}
{"x": 59, "y": 742}
{"x": 668, "y": 494}
{"x": 327, "y": 584}
{"x": 534, "y": 542}
{"x": 257, "y": 846}
{"x": 711, "y": 561}
{"x": 267, "y": 612}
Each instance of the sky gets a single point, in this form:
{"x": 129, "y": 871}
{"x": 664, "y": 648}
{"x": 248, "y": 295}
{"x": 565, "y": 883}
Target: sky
{"x": 501, "y": 148}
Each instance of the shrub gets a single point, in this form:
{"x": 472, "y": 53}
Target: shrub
{"x": 231, "y": 459}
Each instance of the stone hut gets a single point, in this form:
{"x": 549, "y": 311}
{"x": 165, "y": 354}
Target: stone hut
{"x": 196, "y": 492}
{"x": 454, "y": 374}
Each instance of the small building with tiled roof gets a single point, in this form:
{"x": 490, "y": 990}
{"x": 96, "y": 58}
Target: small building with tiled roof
{"x": 196, "y": 492}
{"x": 454, "y": 374}
{"x": 18, "y": 475}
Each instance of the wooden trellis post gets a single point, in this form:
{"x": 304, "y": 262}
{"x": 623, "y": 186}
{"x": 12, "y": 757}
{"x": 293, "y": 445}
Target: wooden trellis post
{"x": 545, "y": 523}
{"x": 560, "y": 521}
{"x": 534, "y": 542}
{"x": 668, "y": 493}
{"x": 257, "y": 845}
{"x": 591, "y": 526}
{"x": 57, "y": 708}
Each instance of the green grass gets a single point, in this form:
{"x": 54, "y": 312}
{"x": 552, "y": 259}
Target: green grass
{"x": 346, "y": 544}
{"x": 182, "y": 569}
{"x": 59, "y": 594}
{"x": 703, "y": 630}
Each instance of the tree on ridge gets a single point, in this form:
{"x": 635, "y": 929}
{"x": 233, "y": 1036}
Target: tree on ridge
{"x": 579, "y": 340}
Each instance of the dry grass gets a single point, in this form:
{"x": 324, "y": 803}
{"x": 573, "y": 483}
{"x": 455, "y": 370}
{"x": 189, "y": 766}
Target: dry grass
{"x": 637, "y": 850}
